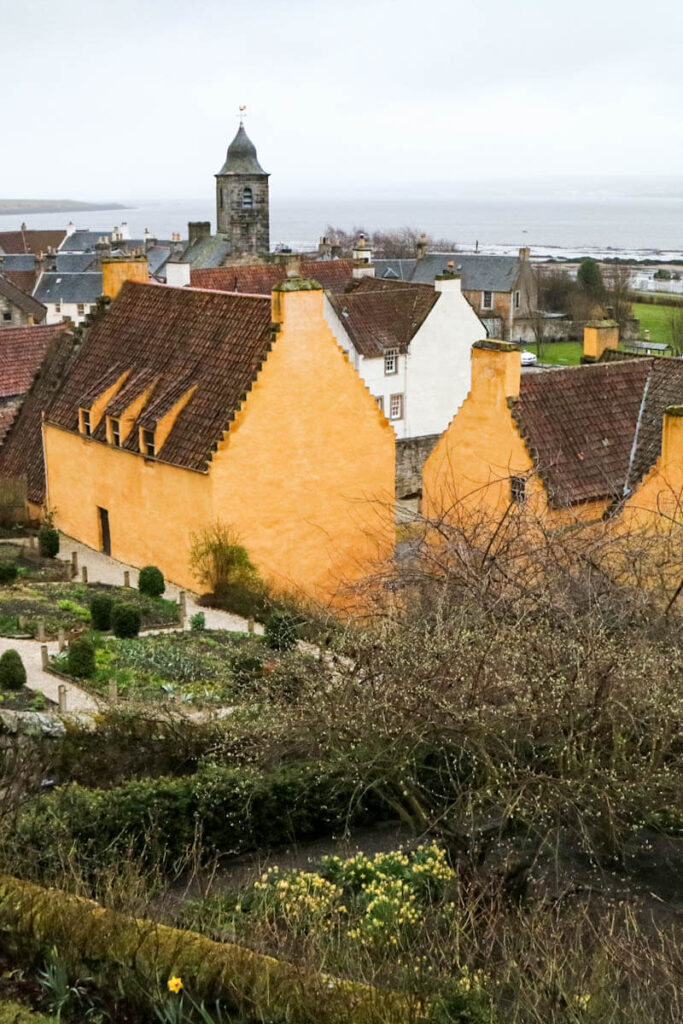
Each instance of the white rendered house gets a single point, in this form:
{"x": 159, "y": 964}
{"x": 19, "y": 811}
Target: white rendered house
{"x": 411, "y": 344}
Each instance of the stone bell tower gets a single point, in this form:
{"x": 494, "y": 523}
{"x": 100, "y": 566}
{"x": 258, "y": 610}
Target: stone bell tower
{"x": 242, "y": 213}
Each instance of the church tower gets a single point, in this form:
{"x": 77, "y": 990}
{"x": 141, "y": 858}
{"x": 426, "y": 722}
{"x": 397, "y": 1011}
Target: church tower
{"x": 242, "y": 213}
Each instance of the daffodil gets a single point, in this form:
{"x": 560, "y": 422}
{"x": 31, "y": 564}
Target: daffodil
{"x": 175, "y": 984}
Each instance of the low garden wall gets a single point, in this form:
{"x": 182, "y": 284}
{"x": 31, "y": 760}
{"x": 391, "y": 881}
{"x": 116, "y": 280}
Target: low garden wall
{"x": 252, "y": 984}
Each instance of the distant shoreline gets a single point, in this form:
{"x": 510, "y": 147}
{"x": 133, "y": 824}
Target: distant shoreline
{"x": 15, "y": 206}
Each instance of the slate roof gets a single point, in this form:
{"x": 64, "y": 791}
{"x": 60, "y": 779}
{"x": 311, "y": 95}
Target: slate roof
{"x": 22, "y": 451}
{"x": 83, "y": 240}
{"x": 30, "y": 241}
{"x": 208, "y": 251}
{"x": 479, "y": 272}
{"x": 241, "y": 156}
{"x": 60, "y": 287}
{"x": 22, "y": 350}
{"x": 21, "y": 299}
{"x": 171, "y": 336}
{"x": 75, "y": 262}
{"x": 594, "y": 431}
{"x": 381, "y": 315}
{"x": 261, "y": 278}
{"x": 17, "y": 261}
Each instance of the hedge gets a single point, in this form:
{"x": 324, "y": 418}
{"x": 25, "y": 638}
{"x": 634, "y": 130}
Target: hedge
{"x": 236, "y": 809}
{"x": 257, "y": 986}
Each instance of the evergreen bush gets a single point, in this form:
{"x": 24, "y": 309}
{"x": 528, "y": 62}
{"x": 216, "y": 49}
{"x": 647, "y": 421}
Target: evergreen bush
{"x": 81, "y": 660}
{"x": 8, "y": 572}
{"x": 125, "y": 620}
{"x": 12, "y": 671}
{"x": 48, "y": 541}
{"x": 151, "y": 581}
{"x": 198, "y": 622}
{"x": 282, "y": 631}
{"x": 101, "y": 606}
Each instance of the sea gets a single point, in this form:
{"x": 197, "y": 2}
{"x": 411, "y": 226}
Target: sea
{"x": 639, "y": 222}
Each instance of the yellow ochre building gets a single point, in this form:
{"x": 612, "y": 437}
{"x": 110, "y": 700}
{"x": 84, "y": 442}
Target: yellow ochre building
{"x": 184, "y": 407}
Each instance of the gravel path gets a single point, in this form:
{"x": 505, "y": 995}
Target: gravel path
{"x": 102, "y": 569}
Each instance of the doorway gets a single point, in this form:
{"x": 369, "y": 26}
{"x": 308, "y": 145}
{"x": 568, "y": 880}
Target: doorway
{"x": 105, "y": 536}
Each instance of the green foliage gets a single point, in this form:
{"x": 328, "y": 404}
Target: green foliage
{"x": 75, "y": 609}
{"x": 237, "y": 809}
{"x": 282, "y": 631}
{"x": 248, "y": 600}
{"x": 15, "y": 1013}
{"x": 8, "y": 572}
{"x": 81, "y": 658}
{"x": 125, "y": 619}
{"x": 38, "y": 702}
{"x": 218, "y": 559}
{"x": 101, "y": 606}
{"x": 48, "y": 541}
{"x": 151, "y": 581}
{"x": 198, "y": 622}
{"x": 12, "y": 671}
{"x": 589, "y": 278}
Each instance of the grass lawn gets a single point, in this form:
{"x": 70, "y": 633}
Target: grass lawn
{"x": 558, "y": 353}
{"x": 67, "y": 606}
{"x": 654, "y": 319}
{"x": 201, "y": 669}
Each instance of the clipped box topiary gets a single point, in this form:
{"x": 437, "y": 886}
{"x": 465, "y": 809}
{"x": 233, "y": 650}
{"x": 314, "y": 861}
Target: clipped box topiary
{"x": 151, "y": 581}
{"x": 48, "y": 541}
{"x": 81, "y": 658}
{"x": 8, "y": 572}
{"x": 125, "y": 620}
{"x": 101, "y": 606}
{"x": 12, "y": 671}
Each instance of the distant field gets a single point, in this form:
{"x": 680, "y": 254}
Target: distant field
{"x": 654, "y": 319}
{"x": 562, "y": 353}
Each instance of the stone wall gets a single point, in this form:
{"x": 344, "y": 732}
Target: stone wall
{"x": 247, "y": 227}
{"x": 411, "y": 454}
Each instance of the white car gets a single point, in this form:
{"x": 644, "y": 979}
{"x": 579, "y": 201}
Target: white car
{"x": 529, "y": 358}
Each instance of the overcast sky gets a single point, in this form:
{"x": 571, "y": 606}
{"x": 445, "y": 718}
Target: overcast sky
{"x": 138, "y": 98}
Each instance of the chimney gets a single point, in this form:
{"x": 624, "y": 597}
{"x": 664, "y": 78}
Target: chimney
{"x": 525, "y": 254}
{"x": 361, "y": 250}
{"x": 672, "y": 446}
{"x": 496, "y": 371}
{"x": 324, "y": 249}
{"x": 117, "y": 269}
{"x": 70, "y": 228}
{"x": 197, "y": 229}
{"x": 450, "y": 280}
{"x": 177, "y": 274}
{"x": 599, "y": 335}
{"x": 297, "y": 301}
{"x": 421, "y": 247}
{"x": 125, "y": 233}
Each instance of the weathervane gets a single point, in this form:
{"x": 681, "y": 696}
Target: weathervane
{"x": 242, "y": 114}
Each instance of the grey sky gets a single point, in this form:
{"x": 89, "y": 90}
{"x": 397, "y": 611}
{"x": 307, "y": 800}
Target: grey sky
{"x": 138, "y": 98}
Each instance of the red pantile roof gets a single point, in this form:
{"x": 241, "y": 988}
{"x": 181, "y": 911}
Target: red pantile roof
{"x": 22, "y": 451}
{"x": 22, "y": 350}
{"x": 30, "y": 241}
{"x": 381, "y": 315}
{"x": 594, "y": 431}
{"x": 209, "y": 340}
{"x": 22, "y": 300}
{"x": 261, "y": 278}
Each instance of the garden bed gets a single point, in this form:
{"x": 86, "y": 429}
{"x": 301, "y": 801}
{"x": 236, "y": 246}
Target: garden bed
{"x": 31, "y": 565}
{"x": 67, "y": 606}
{"x": 24, "y": 700}
{"x": 202, "y": 669}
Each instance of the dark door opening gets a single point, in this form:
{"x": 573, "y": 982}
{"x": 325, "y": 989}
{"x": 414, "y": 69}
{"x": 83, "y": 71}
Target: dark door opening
{"x": 105, "y": 536}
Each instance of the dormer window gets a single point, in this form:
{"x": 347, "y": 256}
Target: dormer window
{"x": 114, "y": 432}
{"x": 147, "y": 443}
{"x": 247, "y": 199}
{"x": 84, "y": 422}
{"x": 391, "y": 361}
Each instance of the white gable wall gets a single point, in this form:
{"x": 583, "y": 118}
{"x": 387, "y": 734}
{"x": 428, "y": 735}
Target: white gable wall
{"x": 434, "y": 377}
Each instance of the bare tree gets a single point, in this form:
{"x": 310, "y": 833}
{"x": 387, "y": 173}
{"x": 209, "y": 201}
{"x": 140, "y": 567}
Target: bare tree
{"x": 618, "y": 280}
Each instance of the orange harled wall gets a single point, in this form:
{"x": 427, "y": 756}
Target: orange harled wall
{"x": 305, "y": 474}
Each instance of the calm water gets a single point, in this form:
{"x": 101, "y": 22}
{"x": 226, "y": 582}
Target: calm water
{"x": 572, "y": 223}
